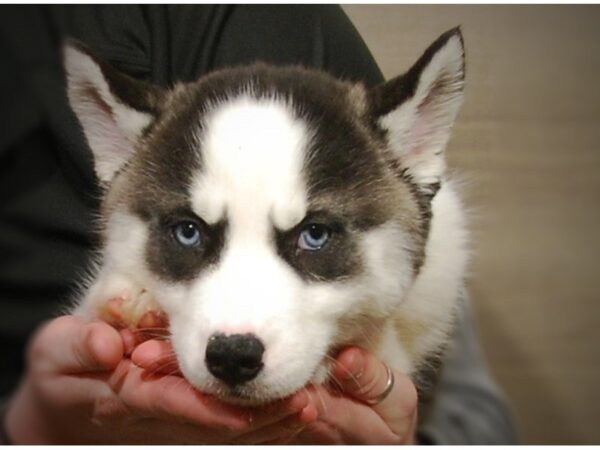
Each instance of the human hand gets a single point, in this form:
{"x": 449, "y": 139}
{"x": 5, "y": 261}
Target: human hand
{"x": 340, "y": 416}
{"x": 344, "y": 416}
{"x": 80, "y": 388}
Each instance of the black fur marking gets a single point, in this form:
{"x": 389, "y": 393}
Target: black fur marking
{"x": 388, "y": 96}
{"x": 173, "y": 262}
{"x": 344, "y": 170}
{"x": 137, "y": 94}
{"x": 424, "y": 195}
{"x": 337, "y": 259}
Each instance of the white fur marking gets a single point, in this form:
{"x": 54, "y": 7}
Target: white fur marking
{"x": 253, "y": 153}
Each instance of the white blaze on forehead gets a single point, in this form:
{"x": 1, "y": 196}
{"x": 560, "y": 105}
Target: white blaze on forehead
{"x": 252, "y": 153}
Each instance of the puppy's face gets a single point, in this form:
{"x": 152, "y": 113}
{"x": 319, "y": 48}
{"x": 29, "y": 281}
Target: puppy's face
{"x": 275, "y": 214}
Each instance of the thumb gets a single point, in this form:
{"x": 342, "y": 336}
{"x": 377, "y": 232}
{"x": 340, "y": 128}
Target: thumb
{"x": 70, "y": 344}
{"x": 366, "y": 378}
{"x": 156, "y": 356}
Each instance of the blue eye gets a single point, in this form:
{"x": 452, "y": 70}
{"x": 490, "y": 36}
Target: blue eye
{"x": 313, "y": 237}
{"x": 187, "y": 234}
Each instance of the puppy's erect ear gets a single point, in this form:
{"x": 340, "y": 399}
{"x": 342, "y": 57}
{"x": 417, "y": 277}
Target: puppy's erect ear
{"x": 417, "y": 109}
{"x": 113, "y": 108}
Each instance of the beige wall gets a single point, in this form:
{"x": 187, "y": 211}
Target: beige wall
{"x": 528, "y": 144}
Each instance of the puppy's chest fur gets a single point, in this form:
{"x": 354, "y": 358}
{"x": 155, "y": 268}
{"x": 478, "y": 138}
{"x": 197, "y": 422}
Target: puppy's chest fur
{"x": 276, "y": 215}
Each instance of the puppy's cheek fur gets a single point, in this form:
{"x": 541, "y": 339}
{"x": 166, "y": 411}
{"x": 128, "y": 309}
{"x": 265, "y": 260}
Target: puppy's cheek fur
{"x": 126, "y": 238}
{"x": 389, "y": 266}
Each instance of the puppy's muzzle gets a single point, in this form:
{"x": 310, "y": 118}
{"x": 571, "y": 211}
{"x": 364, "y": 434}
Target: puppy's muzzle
{"x": 234, "y": 359}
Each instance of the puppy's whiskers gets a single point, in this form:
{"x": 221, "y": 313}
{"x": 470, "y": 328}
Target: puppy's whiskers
{"x": 320, "y": 397}
{"x": 338, "y": 383}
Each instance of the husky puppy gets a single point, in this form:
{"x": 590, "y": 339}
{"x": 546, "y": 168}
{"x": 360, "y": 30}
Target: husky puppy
{"x": 276, "y": 214}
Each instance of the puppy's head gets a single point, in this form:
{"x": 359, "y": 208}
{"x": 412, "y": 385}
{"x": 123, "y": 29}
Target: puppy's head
{"x": 276, "y": 214}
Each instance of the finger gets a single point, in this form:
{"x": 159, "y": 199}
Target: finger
{"x": 154, "y": 320}
{"x": 152, "y": 325}
{"x": 171, "y": 397}
{"x": 343, "y": 419}
{"x": 281, "y": 431}
{"x": 364, "y": 377}
{"x": 69, "y": 344}
{"x": 129, "y": 341}
{"x": 156, "y": 357}
{"x": 290, "y": 407}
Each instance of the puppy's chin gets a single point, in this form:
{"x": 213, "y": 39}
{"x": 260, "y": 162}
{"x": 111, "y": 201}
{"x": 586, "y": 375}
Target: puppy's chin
{"x": 240, "y": 398}
{"x": 255, "y": 394}
{"x": 247, "y": 395}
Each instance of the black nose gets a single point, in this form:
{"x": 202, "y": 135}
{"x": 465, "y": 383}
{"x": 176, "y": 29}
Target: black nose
{"x": 234, "y": 359}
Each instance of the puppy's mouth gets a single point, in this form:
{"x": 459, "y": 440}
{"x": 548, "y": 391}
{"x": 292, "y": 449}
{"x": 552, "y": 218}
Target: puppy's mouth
{"x": 255, "y": 393}
{"x": 240, "y": 396}
{"x": 248, "y": 395}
